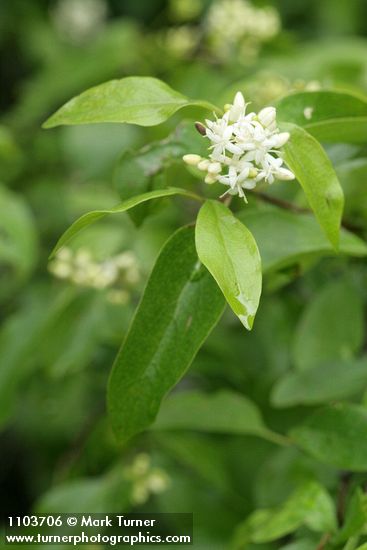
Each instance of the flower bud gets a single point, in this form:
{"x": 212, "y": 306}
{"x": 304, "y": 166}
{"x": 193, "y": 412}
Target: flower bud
{"x": 204, "y": 164}
{"x": 239, "y": 100}
{"x": 210, "y": 178}
{"x": 267, "y": 116}
{"x": 238, "y": 107}
{"x": 192, "y": 160}
{"x": 284, "y": 174}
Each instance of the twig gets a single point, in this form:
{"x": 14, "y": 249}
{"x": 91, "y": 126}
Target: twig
{"x": 281, "y": 203}
{"x": 294, "y": 208}
{"x": 345, "y": 480}
{"x": 323, "y": 541}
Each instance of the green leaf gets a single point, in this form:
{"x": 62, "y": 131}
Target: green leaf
{"x": 355, "y": 516}
{"x": 222, "y": 412}
{"x": 97, "y": 494}
{"x": 18, "y": 242}
{"x": 316, "y": 175}
{"x": 327, "y": 382}
{"x": 39, "y": 310}
{"x": 202, "y": 455}
{"x": 309, "y": 505}
{"x": 353, "y": 175}
{"x": 143, "y": 170}
{"x": 138, "y": 100}
{"x": 331, "y": 327}
{"x": 180, "y": 306}
{"x": 95, "y": 215}
{"x": 286, "y": 238}
{"x": 336, "y": 435}
{"x": 229, "y": 251}
{"x": 301, "y": 544}
{"x": 329, "y": 116}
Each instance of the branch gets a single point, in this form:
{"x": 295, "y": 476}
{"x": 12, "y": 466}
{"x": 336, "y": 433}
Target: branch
{"x": 285, "y": 205}
{"x": 281, "y": 203}
{"x": 324, "y": 540}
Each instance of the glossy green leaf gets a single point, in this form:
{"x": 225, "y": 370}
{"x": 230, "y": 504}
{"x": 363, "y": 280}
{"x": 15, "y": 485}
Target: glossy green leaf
{"x": 286, "y": 238}
{"x": 331, "y": 327}
{"x": 336, "y": 435}
{"x": 180, "y": 306}
{"x": 327, "y": 382}
{"x": 229, "y": 251}
{"x": 141, "y": 100}
{"x": 144, "y": 170}
{"x": 329, "y": 116}
{"x": 316, "y": 175}
{"x": 309, "y": 505}
{"x": 222, "y": 412}
{"x": 96, "y": 215}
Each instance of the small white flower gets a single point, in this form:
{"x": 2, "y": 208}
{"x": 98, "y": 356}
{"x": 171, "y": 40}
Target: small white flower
{"x": 308, "y": 112}
{"x": 244, "y": 149}
{"x": 236, "y": 27}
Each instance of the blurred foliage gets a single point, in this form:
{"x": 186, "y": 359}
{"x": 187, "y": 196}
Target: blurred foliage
{"x": 59, "y": 335}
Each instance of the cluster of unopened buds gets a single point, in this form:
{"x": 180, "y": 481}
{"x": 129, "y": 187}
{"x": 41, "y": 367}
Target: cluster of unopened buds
{"x": 145, "y": 479}
{"x": 245, "y": 149}
{"x": 119, "y": 273}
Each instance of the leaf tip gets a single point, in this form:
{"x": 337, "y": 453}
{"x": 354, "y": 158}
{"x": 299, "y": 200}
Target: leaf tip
{"x": 49, "y": 123}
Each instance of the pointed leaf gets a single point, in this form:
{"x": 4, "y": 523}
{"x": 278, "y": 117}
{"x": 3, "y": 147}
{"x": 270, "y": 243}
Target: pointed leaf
{"x": 355, "y": 516}
{"x": 309, "y": 505}
{"x": 180, "y": 306}
{"x": 229, "y": 251}
{"x": 336, "y": 435}
{"x": 223, "y": 412}
{"x": 141, "y": 171}
{"x": 95, "y": 215}
{"x": 327, "y": 382}
{"x": 286, "y": 238}
{"x": 330, "y": 328}
{"x": 316, "y": 175}
{"x": 138, "y": 100}
{"x": 329, "y": 116}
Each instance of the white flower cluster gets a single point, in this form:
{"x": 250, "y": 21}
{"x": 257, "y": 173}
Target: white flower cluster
{"x": 185, "y": 10}
{"x": 238, "y": 23}
{"x": 145, "y": 479}
{"x": 80, "y": 268}
{"x": 181, "y": 41}
{"x": 245, "y": 149}
{"x": 79, "y": 20}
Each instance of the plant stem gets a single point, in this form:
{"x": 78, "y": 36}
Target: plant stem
{"x": 294, "y": 208}
{"x": 281, "y": 203}
{"x": 324, "y": 539}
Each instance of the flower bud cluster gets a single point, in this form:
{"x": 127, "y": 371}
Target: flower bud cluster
{"x": 245, "y": 149}
{"x": 145, "y": 479}
{"x": 118, "y": 273}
